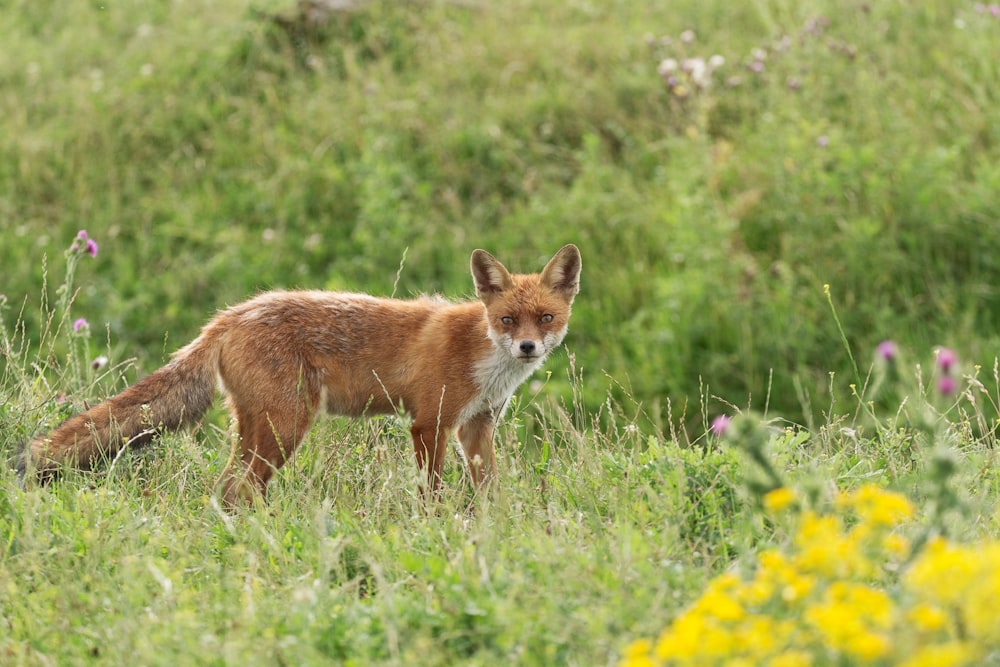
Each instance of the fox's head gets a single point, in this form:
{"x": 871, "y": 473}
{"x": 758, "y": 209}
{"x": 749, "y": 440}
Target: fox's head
{"x": 528, "y": 314}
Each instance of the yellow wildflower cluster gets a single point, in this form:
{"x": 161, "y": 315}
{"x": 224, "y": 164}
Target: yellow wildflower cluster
{"x": 841, "y": 592}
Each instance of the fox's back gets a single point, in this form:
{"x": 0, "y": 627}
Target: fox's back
{"x": 332, "y": 323}
{"x": 362, "y": 351}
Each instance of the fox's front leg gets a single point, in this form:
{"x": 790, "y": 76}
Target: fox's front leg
{"x": 476, "y": 438}
{"x": 430, "y": 442}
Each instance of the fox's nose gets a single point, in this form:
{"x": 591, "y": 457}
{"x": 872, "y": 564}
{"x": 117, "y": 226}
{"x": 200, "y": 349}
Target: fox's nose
{"x": 527, "y": 346}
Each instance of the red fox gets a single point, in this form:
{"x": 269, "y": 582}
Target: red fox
{"x": 282, "y": 357}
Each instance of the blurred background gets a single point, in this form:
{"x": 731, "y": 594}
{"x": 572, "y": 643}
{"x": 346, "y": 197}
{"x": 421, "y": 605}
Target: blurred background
{"x": 718, "y": 164}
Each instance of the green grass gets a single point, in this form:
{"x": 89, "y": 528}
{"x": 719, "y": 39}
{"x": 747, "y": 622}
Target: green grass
{"x": 215, "y": 149}
{"x": 598, "y": 534}
{"x": 345, "y": 563}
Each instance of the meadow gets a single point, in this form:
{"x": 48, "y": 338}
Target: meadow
{"x": 726, "y": 449}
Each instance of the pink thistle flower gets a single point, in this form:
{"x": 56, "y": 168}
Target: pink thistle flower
{"x": 720, "y": 425}
{"x": 946, "y": 359}
{"x": 80, "y": 325}
{"x": 92, "y": 247}
{"x": 946, "y": 385}
{"x": 82, "y": 235}
{"x": 886, "y": 350}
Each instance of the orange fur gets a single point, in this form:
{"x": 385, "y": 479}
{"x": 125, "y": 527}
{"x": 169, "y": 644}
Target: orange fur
{"x": 282, "y": 357}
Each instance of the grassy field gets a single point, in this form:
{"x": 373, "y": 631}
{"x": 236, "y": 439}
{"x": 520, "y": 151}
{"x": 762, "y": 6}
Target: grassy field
{"x": 762, "y": 193}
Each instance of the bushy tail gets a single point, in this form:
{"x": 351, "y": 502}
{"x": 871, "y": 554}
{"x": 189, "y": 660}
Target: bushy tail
{"x": 176, "y": 395}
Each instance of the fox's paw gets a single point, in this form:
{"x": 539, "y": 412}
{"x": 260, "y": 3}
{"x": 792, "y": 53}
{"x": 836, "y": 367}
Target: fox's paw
{"x": 21, "y": 462}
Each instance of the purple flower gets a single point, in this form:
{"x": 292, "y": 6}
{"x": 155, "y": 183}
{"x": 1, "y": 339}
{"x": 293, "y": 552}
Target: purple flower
{"x": 83, "y": 241}
{"x": 823, "y": 141}
{"x": 946, "y": 359}
{"x": 80, "y": 325}
{"x": 886, "y": 350}
{"x": 946, "y": 385}
{"x": 720, "y": 425}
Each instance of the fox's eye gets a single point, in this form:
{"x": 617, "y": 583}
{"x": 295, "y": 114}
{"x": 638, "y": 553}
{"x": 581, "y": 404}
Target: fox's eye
{"x": 545, "y": 319}
{"x": 507, "y": 319}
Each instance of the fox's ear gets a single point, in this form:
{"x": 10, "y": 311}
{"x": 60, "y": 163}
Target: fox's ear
{"x": 490, "y": 276}
{"x": 562, "y": 273}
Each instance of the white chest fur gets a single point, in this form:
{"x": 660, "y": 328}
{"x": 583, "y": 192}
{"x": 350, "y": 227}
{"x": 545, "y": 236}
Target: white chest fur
{"x": 497, "y": 377}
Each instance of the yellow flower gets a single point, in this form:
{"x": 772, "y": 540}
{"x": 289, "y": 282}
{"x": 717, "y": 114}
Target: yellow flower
{"x": 926, "y": 617}
{"x": 637, "y": 654}
{"x": 944, "y": 573}
{"x": 869, "y": 645}
{"x": 709, "y": 627}
{"x": 873, "y": 605}
{"x": 896, "y": 545}
{"x": 760, "y": 636}
{"x": 776, "y": 577}
{"x": 759, "y": 590}
{"x": 949, "y": 654}
{"x": 823, "y": 597}
{"x": 779, "y": 499}
{"x": 851, "y": 618}
{"x": 718, "y": 602}
{"x": 877, "y": 506}
{"x": 682, "y": 639}
{"x": 815, "y": 537}
{"x": 963, "y": 578}
{"x": 797, "y": 586}
{"x": 693, "y": 637}
{"x": 791, "y": 659}
{"x": 825, "y": 549}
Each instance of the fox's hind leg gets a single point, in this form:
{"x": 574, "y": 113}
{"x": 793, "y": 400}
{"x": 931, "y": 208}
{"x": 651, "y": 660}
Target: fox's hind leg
{"x": 267, "y": 439}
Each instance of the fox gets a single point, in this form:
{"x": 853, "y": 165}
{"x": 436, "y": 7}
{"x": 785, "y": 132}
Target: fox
{"x": 282, "y": 357}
